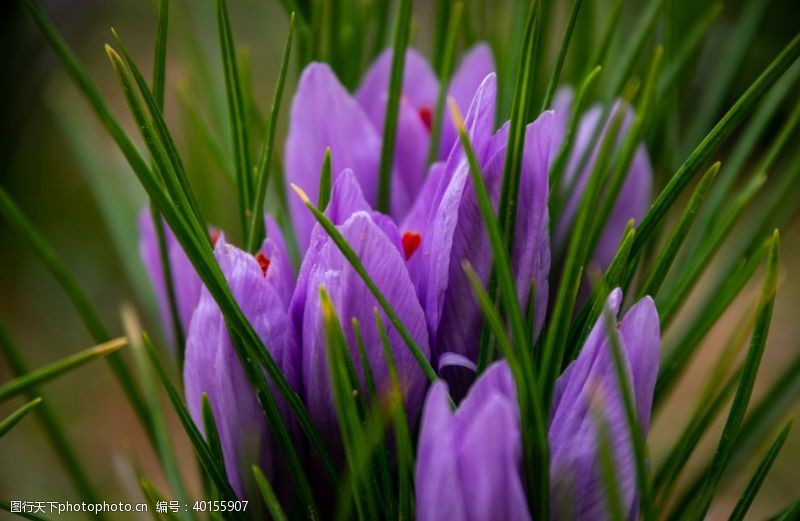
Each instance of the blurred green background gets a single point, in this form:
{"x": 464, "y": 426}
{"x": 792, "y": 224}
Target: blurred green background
{"x": 68, "y": 176}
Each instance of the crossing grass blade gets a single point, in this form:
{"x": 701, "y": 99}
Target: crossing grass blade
{"x": 268, "y": 495}
{"x": 86, "y": 311}
{"x": 754, "y": 485}
{"x": 681, "y": 351}
{"x": 402, "y": 437}
{"x": 402, "y": 33}
{"x": 7, "y": 423}
{"x": 52, "y": 426}
{"x": 51, "y": 371}
{"x": 164, "y": 449}
{"x": 256, "y": 229}
{"x": 357, "y": 265}
{"x": 204, "y": 452}
{"x": 666, "y": 257}
{"x": 562, "y": 55}
{"x": 211, "y": 432}
{"x": 742, "y": 398}
{"x": 236, "y": 115}
{"x": 446, "y": 71}
{"x": 721, "y": 131}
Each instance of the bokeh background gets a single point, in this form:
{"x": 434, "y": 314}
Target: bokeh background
{"x": 68, "y": 176}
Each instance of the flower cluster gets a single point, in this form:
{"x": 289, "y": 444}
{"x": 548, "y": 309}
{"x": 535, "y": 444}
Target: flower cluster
{"x": 469, "y": 460}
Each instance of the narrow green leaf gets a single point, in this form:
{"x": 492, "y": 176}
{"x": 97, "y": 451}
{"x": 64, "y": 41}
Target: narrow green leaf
{"x": 325, "y": 181}
{"x": 56, "y": 369}
{"x": 562, "y": 55}
{"x": 160, "y": 53}
{"x": 742, "y": 399}
{"x": 666, "y": 257}
{"x": 355, "y": 262}
{"x": 402, "y": 33}
{"x": 6, "y": 505}
{"x": 267, "y": 494}
{"x": 12, "y": 419}
{"x": 52, "y": 427}
{"x": 753, "y": 486}
{"x": 636, "y": 45}
{"x": 608, "y": 472}
{"x": 237, "y": 116}
{"x": 732, "y": 119}
{"x": 256, "y": 230}
{"x": 210, "y": 431}
{"x": 791, "y": 513}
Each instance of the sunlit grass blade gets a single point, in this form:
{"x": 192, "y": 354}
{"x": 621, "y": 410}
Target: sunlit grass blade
{"x": 86, "y": 311}
{"x": 666, "y": 257}
{"x": 6, "y": 505}
{"x": 268, "y": 495}
{"x": 7, "y": 423}
{"x": 357, "y": 265}
{"x": 56, "y": 369}
{"x": 742, "y": 398}
{"x": 53, "y": 428}
{"x": 204, "y": 453}
{"x": 562, "y": 55}
{"x": 164, "y": 449}
{"x": 402, "y": 33}
{"x": 237, "y": 116}
{"x": 681, "y": 351}
{"x": 754, "y": 485}
{"x": 721, "y": 131}
{"x": 680, "y": 289}
{"x": 345, "y": 396}
{"x": 445, "y": 73}
{"x": 729, "y": 64}
{"x": 404, "y": 447}
{"x": 256, "y": 229}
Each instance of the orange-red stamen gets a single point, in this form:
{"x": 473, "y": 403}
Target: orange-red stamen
{"x": 263, "y": 261}
{"x": 426, "y": 115}
{"x": 411, "y": 241}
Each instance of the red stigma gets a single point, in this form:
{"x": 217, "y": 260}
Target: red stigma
{"x": 426, "y": 115}
{"x": 214, "y": 234}
{"x": 263, "y": 261}
{"x": 411, "y": 241}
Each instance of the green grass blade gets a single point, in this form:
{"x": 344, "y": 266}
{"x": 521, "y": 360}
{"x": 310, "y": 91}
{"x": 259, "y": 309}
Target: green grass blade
{"x": 268, "y": 495}
{"x": 7, "y": 423}
{"x": 753, "y": 486}
{"x": 256, "y": 230}
{"x": 160, "y": 53}
{"x": 210, "y": 431}
{"x": 402, "y": 33}
{"x": 742, "y": 399}
{"x": 445, "y": 73}
{"x": 645, "y": 27}
{"x": 56, "y": 369}
{"x": 791, "y": 512}
{"x": 608, "y": 472}
{"x": 236, "y": 114}
{"x": 204, "y": 453}
{"x": 681, "y": 351}
{"x": 402, "y": 437}
{"x": 52, "y": 427}
{"x": 6, "y": 505}
{"x": 562, "y": 55}
{"x": 87, "y": 313}
{"x": 325, "y": 181}
{"x": 355, "y": 262}
{"x": 666, "y": 257}
{"x": 721, "y": 131}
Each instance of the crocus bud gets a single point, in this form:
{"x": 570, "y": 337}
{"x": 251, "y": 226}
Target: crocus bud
{"x": 634, "y": 195}
{"x": 455, "y": 232}
{"x": 588, "y": 397}
{"x": 469, "y": 461}
{"x": 186, "y": 283}
{"x": 212, "y": 365}
{"x": 379, "y": 247}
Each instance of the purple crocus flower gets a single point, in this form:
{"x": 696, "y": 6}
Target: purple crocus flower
{"x": 186, "y": 282}
{"x": 634, "y": 196}
{"x": 468, "y": 462}
{"x": 453, "y": 230}
{"x": 260, "y": 284}
{"x": 589, "y": 392}
{"x": 380, "y": 248}
{"x": 324, "y": 114}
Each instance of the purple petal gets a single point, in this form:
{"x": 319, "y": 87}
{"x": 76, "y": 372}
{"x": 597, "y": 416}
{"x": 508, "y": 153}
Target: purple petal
{"x": 641, "y": 332}
{"x": 324, "y": 115}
